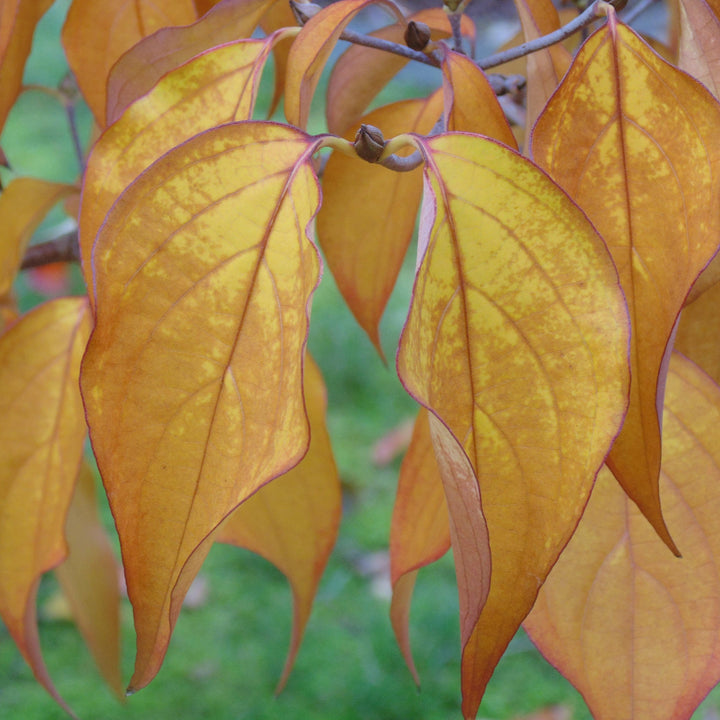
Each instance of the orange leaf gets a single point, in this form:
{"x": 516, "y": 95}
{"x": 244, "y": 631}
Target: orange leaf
{"x": 517, "y": 341}
{"x": 293, "y": 521}
{"x": 311, "y": 50}
{"x": 470, "y": 103}
{"x": 42, "y": 431}
{"x": 697, "y": 333}
{"x": 360, "y": 73}
{"x": 699, "y": 51}
{"x": 192, "y": 379}
{"x": 96, "y": 34}
{"x": 139, "y": 69}
{"x": 627, "y": 135}
{"x": 636, "y": 630}
{"x": 368, "y": 216}
{"x": 89, "y": 580}
{"x": 213, "y": 88}
{"x": 278, "y": 15}
{"x": 419, "y": 533}
{"x": 18, "y": 19}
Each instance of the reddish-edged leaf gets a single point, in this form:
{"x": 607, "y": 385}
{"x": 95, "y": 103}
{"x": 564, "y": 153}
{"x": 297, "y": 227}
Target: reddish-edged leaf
{"x": 361, "y": 72}
{"x": 192, "y": 379}
{"x": 139, "y": 69}
{"x": 96, "y": 34}
{"x": 517, "y": 341}
{"x": 419, "y": 533}
{"x": 636, "y": 143}
{"x": 89, "y": 581}
{"x": 18, "y": 19}
{"x": 470, "y": 102}
{"x": 42, "y": 431}
{"x": 636, "y": 630}
{"x": 699, "y": 49}
{"x": 368, "y": 215}
{"x": 213, "y": 88}
{"x": 311, "y": 50}
{"x": 293, "y": 521}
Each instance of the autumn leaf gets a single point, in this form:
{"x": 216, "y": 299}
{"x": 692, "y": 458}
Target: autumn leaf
{"x": 211, "y": 89}
{"x": 633, "y": 628}
{"x": 368, "y": 215}
{"x": 293, "y": 521}
{"x": 42, "y": 431}
{"x": 626, "y": 134}
{"x": 419, "y": 532}
{"x": 697, "y": 333}
{"x": 96, "y": 34}
{"x": 89, "y": 580}
{"x": 192, "y": 379}
{"x": 360, "y": 73}
{"x": 311, "y": 50}
{"x": 18, "y": 19}
{"x": 699, "y": 53}
{"x": 516, "y": 341}
{"x": 139, "y": 69}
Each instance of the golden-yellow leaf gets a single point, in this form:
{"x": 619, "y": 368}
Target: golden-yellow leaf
{"x": 311, "y": 50}
{"x": 42, "y": 431}
{"x": 636, "y": 143}
{"x": 368, "y": 215}
{"x": 18, "y": 19}
{"x": 192, "y": 379}
{"x": 517, "y": 340}
{"x": 293, "y": 520}
{"x": 211, "y": 89}
{"x": 139, "y": 69}
{"x": 419, "y": 532}
{"x": 96, "y": 34}
{"x": 89, "y": 580}
{"x": 636, "y": 630}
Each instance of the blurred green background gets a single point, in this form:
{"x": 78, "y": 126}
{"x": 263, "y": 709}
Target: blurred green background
{"x": 228, "y": 651}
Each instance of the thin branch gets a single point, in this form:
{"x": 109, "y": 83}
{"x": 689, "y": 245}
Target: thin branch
{"x": 456, "y": 25}
{"x": 391, "y": 47}
{"x": 63, "y": 248}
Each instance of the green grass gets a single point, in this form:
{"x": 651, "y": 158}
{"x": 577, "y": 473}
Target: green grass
{"x": 226, "y": 656}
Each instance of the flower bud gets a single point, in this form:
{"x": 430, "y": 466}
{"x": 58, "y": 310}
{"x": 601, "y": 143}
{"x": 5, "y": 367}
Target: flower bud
{"x": 417, "y": 35}
{"x": 369, "y": 143}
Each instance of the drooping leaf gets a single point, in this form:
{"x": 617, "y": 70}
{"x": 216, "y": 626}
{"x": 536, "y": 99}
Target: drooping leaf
{"x": 211, "y": 89}
{"x": 24, "y": 203}
{"x": 361, "y": 72}
{"x": 293, "y": 521}
{"x": 698, "y": 332}
{"x": 42, "y": 431}
{"x": 139, "y": 69}
{"x": 419, "y": 532}
{"x": 368, "y": 215}
{"x": 517, "y": 342}
{"x": 636, "y": 630}
{"x": 470, "y": 102}
{"x": 699, "y": 50}
{"x": 18, "y": 19}
{"x": 278, "y": 15}
{"x": 311, "y": 50}
{"x": 89, "y": 580}
{"x": 192, "y": 379}
{"x": 96, "y": 34}
{"x": 636, "y": 143}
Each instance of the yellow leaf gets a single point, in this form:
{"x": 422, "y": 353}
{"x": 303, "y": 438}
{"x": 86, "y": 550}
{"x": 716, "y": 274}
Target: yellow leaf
{"x": 419, "y": 532}
{"x": 697, "y": 333}
{"x": 517, "y": 341}
{"x": 636, "y": 143}
{"x": 192, "y": 379}
{"x": 18, "y": 19}
{"x": 211, "y": 89}
{"x": 368, "y": 215}
{"x": 42, "y": 431}
{"x": 96, "y": 34}
{"x": 293, "y": 520}
{"x": 89, "y": 580}
{"x": 311, "y": 50}
{"x": 699, "y": 51}
{"x": 633, "y": 628}
{"x": 360, "y": 73}
{"x": 139, "y": 69}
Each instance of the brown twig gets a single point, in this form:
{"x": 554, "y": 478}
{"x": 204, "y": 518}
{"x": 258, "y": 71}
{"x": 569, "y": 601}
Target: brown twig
{"x": 63, "y": 248}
